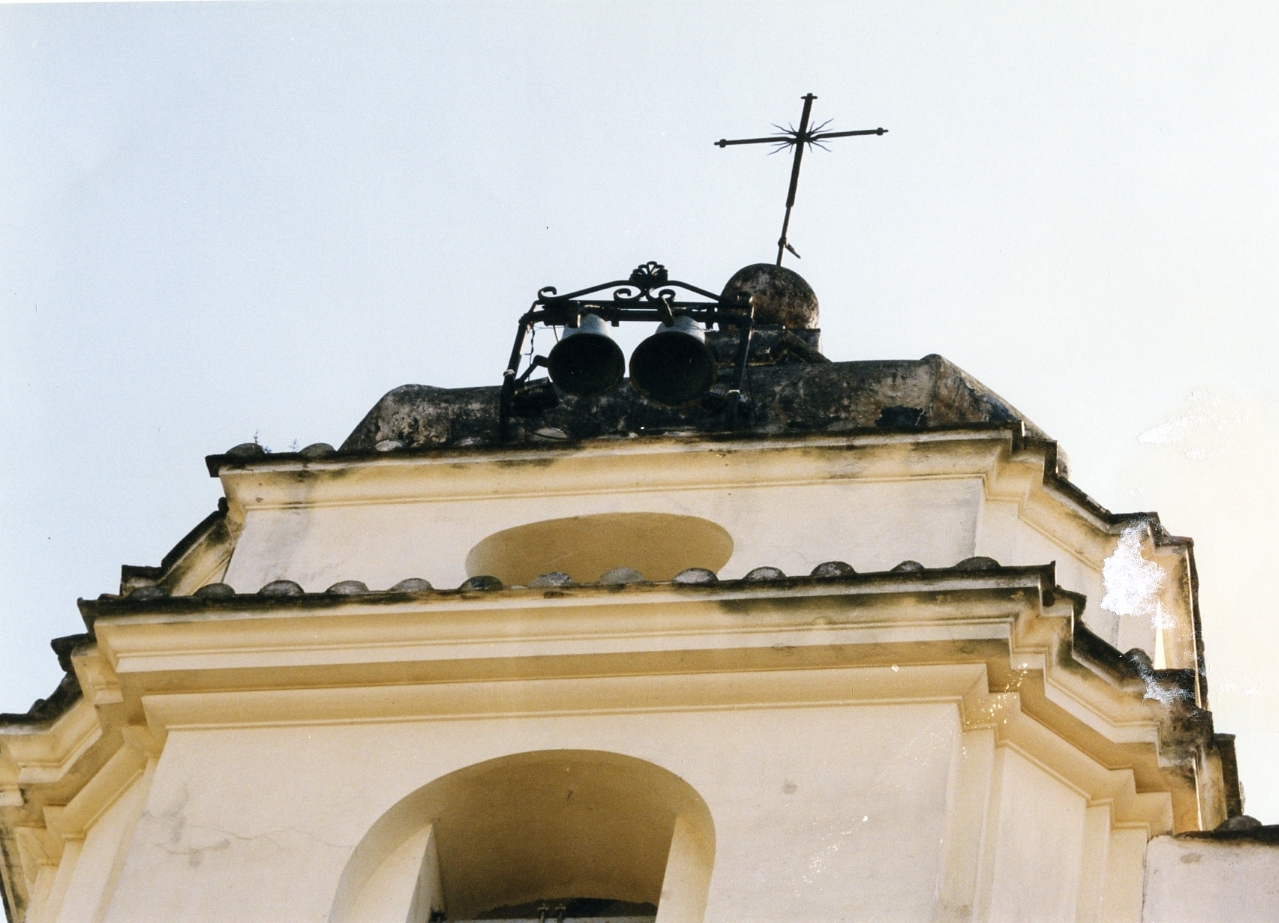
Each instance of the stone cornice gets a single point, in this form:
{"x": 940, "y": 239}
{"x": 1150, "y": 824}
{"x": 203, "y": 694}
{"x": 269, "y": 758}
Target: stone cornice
{"x": 797, "y": 642}
{"x": 1106, "y": 704}
{"x": 1005, "y": 645}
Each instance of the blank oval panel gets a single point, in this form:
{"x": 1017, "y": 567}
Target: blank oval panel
{"x": 658, "y": 545}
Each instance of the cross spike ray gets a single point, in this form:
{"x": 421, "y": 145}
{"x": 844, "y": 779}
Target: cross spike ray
{"x": 798, "y": 138}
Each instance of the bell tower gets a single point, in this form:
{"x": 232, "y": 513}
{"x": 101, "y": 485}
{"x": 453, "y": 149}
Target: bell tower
{"x": 748, "y": 635}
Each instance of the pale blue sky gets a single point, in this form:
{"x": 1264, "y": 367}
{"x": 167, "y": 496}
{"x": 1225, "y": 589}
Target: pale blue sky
{"x": 226, "y": 220}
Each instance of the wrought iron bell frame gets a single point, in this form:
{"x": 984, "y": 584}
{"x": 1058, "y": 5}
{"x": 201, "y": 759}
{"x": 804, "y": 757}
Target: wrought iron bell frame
{"x": 648, "y": 295}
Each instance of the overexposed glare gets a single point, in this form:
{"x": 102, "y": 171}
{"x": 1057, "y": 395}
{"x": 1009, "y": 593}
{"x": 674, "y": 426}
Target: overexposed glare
{"x": 222, "y": 221}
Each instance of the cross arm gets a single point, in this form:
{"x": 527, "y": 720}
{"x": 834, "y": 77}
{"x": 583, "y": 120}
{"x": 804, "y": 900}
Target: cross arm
{"x": 775, "y": 139}
{"x": 822, "y": 135}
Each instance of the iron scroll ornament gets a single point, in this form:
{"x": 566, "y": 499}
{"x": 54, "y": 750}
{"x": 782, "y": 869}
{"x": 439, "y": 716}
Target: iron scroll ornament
{"x": 648, "y": 295}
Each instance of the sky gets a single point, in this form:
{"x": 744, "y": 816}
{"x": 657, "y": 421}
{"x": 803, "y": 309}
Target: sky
{"x": 222, "y": 222}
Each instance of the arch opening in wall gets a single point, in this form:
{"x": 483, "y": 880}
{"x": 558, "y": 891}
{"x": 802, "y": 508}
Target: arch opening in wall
{"x": 601, "y": 835}
{"x": 658, "y": 545}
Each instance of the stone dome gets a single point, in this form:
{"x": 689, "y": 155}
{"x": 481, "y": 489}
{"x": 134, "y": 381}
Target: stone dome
{"x": 781, "y": 296}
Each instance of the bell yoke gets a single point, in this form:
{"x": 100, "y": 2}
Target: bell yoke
{"x": 674, "y": 366}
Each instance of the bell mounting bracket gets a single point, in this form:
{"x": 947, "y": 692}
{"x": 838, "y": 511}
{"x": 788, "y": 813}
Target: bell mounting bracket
{"x": 648, "y": 295}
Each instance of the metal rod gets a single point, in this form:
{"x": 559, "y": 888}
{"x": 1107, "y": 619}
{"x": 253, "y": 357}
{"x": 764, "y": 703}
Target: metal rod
{"x": 797, "y": 138}
{"x": 739, "y": 374}
{"x": 508, "y": 381}
{"x": 558, "y": 315}
{"x": 820, "y": 135}
{"x": 553, "y": 297}
{"x": 801, "y": 138}
{"x": 772, "y": 139}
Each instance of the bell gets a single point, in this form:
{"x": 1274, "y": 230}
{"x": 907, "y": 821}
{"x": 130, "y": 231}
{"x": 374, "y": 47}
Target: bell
{"x": 674, "y": 366}
{"x": 586, "y": 361}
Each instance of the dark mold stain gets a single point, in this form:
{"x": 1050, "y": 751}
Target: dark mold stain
{"x": 790, "y": 387}
{"x": 900, "y": 417}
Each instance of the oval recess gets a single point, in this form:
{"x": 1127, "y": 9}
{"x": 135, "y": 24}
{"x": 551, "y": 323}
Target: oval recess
{"x": 658, "y": 545}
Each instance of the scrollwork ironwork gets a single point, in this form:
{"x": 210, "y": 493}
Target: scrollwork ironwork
{"x": 648, "y": 294}
{"x": 646, "y": 275}
{"x": 648, "y": 283}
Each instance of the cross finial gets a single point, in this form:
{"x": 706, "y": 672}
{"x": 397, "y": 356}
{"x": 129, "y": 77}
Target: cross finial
{"x": 798, "y": 138}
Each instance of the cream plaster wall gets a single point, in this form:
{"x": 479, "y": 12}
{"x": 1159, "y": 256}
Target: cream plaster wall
{"x": 868, "y": 812}
{"x": 872, "y": 526}
{"x": 388, "y": 895}
{"x": 791, "y": 507}
{"x": 1006, "y": 537}
{"x": 1034, "y": 850}
{"x": 922, "y": 804}
{"x": 820, "y": 813}
{"x": 1198, "y": 881}
{"x": 836, "y": 792}
{"x": 1122, "y": 896}
{"x": 90, "y": 867}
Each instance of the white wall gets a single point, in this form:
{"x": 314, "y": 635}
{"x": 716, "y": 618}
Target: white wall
{"x": 1034, "y": 845}
{"x": 820, "y": 813}
{"x": 872, "y": 526}
{"x": 1202, "y": 881}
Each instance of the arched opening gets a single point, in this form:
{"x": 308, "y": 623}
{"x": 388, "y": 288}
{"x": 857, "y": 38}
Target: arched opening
{"x": 580, "y": 833}
{"x": 658, "y": 545}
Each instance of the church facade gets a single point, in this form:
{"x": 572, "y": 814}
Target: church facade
{"x": 867, "y": 654}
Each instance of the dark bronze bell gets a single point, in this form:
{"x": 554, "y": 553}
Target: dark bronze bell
{"x": 674, "y": 366}
{"x": 586, "y": 361}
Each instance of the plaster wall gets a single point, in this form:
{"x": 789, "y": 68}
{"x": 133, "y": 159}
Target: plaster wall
{"x": 90, "y": 868}
{"x": 1201, "y": 881}
{"x": 388, "y": 894}
{"x": 287, "y": 730}
{"x": 867, "y": 791}
{"x": 819, "y": 813}
{"x": 873, "y": 526}
{"x": 1035, "y": 847}
{"x": 869, "y": 812}
{"x": 1003, "y": 535}
{"x": 1121, "y": 896}
{"x": 791, "y": 508}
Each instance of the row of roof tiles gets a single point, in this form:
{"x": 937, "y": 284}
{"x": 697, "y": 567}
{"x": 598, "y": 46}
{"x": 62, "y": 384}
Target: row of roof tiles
{"x": 615, "y": 577}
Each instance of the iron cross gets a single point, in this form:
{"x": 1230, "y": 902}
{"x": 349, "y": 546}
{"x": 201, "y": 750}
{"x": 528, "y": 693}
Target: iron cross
{"x": 790, "y": 137}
